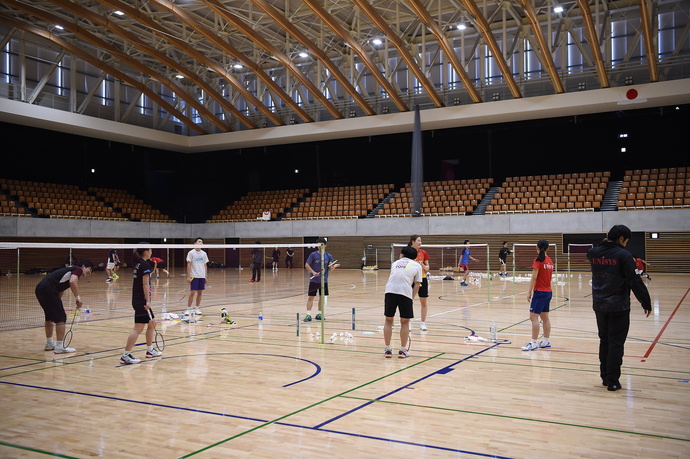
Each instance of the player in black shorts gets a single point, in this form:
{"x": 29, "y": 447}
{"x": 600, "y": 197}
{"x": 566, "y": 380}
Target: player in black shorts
{"x": 49, "y": 294}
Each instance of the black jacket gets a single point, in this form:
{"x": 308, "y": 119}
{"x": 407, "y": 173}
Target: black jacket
{"x": 613, "y": 276}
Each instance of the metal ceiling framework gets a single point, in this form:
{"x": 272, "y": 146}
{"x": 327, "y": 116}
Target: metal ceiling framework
{"x": 206, "y": 66}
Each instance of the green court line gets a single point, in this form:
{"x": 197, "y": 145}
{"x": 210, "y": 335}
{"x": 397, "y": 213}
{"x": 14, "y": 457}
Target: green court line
{"x": 520, "y": 418}
{"x": 34, "y": 450}
{"x": 265, "y": 424}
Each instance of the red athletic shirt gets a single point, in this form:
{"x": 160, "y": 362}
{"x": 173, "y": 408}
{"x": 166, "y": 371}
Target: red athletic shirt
{"x": 543, "y": 283}
{"x": 422, "y": 256}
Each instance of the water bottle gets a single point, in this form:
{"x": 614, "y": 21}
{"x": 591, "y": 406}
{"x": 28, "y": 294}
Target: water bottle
{"x": 261, "y": 315}
{"x": 492, "y": 331}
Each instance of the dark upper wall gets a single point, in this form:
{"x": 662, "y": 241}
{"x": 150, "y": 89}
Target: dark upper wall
{"x": 191, "y": 187}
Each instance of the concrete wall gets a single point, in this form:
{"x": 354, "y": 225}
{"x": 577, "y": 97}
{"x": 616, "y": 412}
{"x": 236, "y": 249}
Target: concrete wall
{"x": 571, "y": 222}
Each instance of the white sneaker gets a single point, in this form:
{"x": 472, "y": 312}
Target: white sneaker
{"x": 153, "y": 353}
{"x": 530, "y": 346}
{"x": 64, "y": 350}
{"x": 422, "y": 326}
{"x": 198, "y": 312}
{"x": 544, "y": 343}
{"x": 128, "y": 359}
{"x": 49, "y": 347}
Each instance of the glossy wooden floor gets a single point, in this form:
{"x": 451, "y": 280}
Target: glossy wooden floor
{"x": 256, "y": 389}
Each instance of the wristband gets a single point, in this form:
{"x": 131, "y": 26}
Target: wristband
{"x": 78, "y": 298}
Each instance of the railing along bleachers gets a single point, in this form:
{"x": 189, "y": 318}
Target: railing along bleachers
{"x": 574, "y": 192}
{"x": 129, "y": 204}
{"x": 253, "y": 206}
{"x": 340, "y": 202}
{"x": 452, "y": 197}
{"x": 663, "y": 188}
{"x": 58, "y": 200}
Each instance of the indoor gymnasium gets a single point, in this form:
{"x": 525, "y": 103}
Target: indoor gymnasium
{"x": 344, "y": 228}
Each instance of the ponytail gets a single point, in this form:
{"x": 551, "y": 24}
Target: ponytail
{"x": 543, "y": 245}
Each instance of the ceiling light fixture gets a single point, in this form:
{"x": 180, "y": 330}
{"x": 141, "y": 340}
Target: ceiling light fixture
{"x": 558, "y": 9}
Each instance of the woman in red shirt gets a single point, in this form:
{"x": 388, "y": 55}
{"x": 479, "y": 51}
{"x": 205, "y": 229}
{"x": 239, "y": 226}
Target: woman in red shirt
{"x": 539, "y": 297}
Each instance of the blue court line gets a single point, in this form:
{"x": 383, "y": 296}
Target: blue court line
{"x": 139, "y": 402}
{"x": 264, "y": 421}
{"x": 391, "y": 440}
{"x": 442, "y": 371}
{"x": 315, "y": 374}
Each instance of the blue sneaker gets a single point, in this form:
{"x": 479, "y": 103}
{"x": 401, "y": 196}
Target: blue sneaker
{"x": 307, "y": 318}
{"x": 463, "y": 283}
{"x": 318, "y": 317}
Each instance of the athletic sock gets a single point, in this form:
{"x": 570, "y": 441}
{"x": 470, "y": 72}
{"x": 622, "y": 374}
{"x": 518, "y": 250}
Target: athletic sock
{"x": 149, "y": 348}
{"x": 389, "y": 348}
{"x": 534, "y": 341}
{"x": 49, "y": 341}
{"x": 59, "y": 344}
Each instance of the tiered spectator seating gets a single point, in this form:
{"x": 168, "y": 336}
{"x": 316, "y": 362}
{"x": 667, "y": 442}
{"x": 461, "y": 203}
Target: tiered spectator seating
{"x": 550, "y": 193}
{"x": 58, "y": 201}
{"x": 655, "y": 189}
{"x": 341, "y": 202}
{"x": 453, "y": 197}
{"x": 10, "y": 208}
{"x": 252, "y": 206}
{"x": 129, "y": 204}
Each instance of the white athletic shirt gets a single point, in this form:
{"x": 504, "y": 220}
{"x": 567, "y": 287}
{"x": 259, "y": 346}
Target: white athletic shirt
{"x": 199, "y": 260}
{"x": 404, "y": 273}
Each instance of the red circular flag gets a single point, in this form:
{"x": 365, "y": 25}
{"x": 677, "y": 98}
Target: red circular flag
{"x": 631, "y": 94}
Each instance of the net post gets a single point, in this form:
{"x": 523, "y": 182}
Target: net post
{"x": 322, "y": 293}
{"x": 513, "y": 257}
{"x": 488, "y": 275}
{"x": 298, "y": 324}
{"x": 353, "y": 319}
{"x": 555, "y": 268}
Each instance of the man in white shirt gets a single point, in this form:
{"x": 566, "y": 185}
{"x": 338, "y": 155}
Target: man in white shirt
{"x": 403, "y": 284}
{"x": 197, "y": 261}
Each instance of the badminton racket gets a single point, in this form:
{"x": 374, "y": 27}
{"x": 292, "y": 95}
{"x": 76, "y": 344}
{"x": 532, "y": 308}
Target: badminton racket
{"x": 159, "y": 339}
{"x": 329, "y": 266}
{"x": 179, "y": 296}
{"x": 68, "y": 336}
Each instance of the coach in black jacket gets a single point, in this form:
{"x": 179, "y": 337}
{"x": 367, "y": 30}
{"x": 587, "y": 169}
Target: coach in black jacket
{"x": 613, "y": 276}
